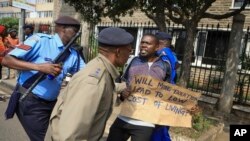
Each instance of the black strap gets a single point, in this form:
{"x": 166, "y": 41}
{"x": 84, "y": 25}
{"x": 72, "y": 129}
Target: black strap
{"x": 33, "y": 78}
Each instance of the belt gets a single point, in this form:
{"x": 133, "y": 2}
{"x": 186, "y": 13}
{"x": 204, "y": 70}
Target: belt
{"x": 40, "y": 99}
{"x": 22, "y": 90}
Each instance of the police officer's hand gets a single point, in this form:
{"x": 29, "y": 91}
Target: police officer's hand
{"x": 52, "y": 69}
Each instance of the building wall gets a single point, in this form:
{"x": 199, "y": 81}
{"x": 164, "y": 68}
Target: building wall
{"x": 219, "y": 7}
{"x": 63, "y": 9}
{"x": 40, "y": 7}
{"x": 4, "y": 10}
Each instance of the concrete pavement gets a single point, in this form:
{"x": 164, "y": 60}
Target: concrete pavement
{"x": 11, "y": 130}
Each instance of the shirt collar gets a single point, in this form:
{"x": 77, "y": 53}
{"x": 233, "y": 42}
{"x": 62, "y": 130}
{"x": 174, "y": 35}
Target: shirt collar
{"x": 59, "y": 42}
{"x": 110, "y": 67}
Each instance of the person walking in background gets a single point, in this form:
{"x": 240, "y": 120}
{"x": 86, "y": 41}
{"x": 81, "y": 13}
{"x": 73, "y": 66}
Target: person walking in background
{"x": 33, "y": 57}
{"x": 146, "y": 64}
{"x": 10, "y": 43}
{"x": 166, "y": 53}
{"x": 2, "y": 47}
{"x": 28, "y": 31}
{"x": 86, "y": 103}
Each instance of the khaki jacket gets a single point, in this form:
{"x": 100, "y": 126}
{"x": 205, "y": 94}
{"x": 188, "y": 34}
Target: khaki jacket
{"x": 85, "y": 104}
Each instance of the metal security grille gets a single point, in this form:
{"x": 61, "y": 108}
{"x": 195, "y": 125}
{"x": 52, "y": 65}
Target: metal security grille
{"x": 209, "y": 55}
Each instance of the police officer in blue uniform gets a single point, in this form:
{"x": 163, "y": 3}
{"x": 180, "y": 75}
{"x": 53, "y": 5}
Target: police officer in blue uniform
{"x": 33, "y": 56}
{"x": 28, "y": 31}
{"x": 166, "y": 53}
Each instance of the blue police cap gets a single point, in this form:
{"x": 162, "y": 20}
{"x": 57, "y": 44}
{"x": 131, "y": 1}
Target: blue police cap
{"x": 163, "y": 36}
{"x": 115, "y": 36}
{"x": 66, "y": 20}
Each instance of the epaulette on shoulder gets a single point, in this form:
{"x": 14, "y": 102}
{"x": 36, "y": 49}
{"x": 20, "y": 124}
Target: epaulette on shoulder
{"x": 42, "y": 35}
{"x": 34, "y": 37}
{"x": 97, "y": 73}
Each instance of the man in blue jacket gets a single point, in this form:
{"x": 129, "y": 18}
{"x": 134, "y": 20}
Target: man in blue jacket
{"x": 166, "y": 53}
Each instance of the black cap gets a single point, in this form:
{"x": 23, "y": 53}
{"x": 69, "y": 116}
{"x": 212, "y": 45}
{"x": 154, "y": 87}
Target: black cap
{"x": 66, "y": 20}
{"x": 115, "y": 36}
{"x": 28, "y": 26}
{"x": 163, "y": 36}
{"x": 12, "y": 30}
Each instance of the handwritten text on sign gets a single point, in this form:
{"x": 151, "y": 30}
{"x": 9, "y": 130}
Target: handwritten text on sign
{"x": 159, "y": 102}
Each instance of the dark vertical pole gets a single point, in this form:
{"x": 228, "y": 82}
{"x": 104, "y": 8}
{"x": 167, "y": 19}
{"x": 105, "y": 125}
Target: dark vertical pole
{"x": 22, "y": 22}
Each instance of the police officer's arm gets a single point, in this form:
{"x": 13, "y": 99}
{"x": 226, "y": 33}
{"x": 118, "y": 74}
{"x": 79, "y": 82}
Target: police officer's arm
{"x": 14, "y": 63}
{"x": 79, "y": 109}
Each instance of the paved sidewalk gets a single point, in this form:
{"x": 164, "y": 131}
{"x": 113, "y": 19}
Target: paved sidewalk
{"x": 6, "y": 87}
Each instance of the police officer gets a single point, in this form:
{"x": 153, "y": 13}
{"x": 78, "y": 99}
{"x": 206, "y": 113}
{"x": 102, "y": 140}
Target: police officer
{"x": 28, "y": 31}
{"x": 86, "y": 103}
{"x": 166, "y": 53}
{"x": 33, "y": 56}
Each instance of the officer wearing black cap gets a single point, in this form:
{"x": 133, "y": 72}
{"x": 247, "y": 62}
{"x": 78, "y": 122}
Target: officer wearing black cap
{"x": 87, "y": 101}
{"x": 166, "y": 53}
{"x": 28, "y": 31}
{"x": 36, "y": 55}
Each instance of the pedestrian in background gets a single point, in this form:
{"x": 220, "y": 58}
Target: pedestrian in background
{"x": 28, "y": 31}
{"x": 86, "y": 103}
{"x": 33, "y": 57}
{"x": 148, "y": 63}
{"x": 2, "y": 47}
{"x": 10, "y": 43}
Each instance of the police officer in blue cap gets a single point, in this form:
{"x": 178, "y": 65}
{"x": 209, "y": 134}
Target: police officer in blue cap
{"x": 33, "y": 56}
{"x": 28, "y": 31}
{"x": 86, "y": 105}
{"x": 166, "y": 53}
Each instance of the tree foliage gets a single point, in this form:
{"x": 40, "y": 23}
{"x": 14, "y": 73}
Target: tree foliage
{"x": 9, "y": 22}
{"x": 93, "y": 10}
{"x": 185, "y": 12}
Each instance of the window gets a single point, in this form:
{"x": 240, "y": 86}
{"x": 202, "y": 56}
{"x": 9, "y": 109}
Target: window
{"x": 5, "y": 4}
{"x": 44, "y": 1}
{"x": 238, "y": 3}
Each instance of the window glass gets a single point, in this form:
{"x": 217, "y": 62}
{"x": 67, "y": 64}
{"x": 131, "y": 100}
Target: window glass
{"x": 238, "y": 3}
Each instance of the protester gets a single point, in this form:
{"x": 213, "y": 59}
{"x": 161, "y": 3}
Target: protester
{"x": 10, "y": 43}
{"x": 2, "y": 47}
{"x": 146, "y": 64}
{"x": 28, "y": 31}
{"x": 36, "y": 55}
{"x": 165, "y": 52}
{"x": 86, "y": 103}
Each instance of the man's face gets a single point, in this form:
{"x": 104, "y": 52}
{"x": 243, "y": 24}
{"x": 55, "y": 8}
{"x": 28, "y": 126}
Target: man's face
{"x": 123, "y": 55}
{"x": 13, "y": 34}
{"x": 69, "y": 32}
{"x": 27, "y": 31}
{"x": 148, "y": 46}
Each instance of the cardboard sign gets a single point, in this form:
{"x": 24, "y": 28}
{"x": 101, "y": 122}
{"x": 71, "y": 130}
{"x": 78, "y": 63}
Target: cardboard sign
{"x": 159, "y": 102}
